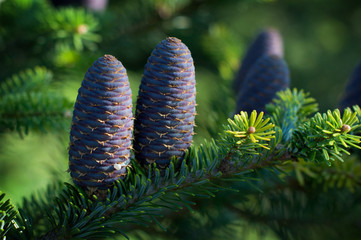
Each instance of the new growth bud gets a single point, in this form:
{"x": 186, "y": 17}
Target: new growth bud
{"x": 345, "y": 128}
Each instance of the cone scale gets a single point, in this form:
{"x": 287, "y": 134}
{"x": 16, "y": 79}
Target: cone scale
{"x": 269, "y": 75}
{"x": 101, "y": 131}
{"x": 165, "y": 111}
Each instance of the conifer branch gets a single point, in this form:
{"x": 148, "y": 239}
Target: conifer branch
{"x": 27, "y": 104}
{"x": 290, "y": 109}
{"x": 326, "y": 137}
{"x": 248, "y": 144}
{"x": 8, "y": 215}
{"x": 36, "y": 79}
{"x": 72, "y": 27}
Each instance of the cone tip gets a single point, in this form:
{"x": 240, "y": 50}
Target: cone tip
{"x": 173, "y": 40}
{"x": 109, "y": 57}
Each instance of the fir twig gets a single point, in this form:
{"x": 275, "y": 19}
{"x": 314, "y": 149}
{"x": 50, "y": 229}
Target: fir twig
{"x": 248, "y": 145}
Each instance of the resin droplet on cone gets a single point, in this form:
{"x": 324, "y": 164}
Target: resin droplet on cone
{"x": 269, "y": 75}
{"x": 352, "y": 94}
{"x": 165, "y": 110}
{"x": 101, "y": 131}
{"x": 268, "y": 42}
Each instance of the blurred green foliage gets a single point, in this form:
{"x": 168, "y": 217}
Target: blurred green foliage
{"x": 322, "y": 46}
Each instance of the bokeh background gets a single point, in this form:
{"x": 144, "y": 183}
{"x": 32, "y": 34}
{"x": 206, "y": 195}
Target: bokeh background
{"x": 322, "y": 41}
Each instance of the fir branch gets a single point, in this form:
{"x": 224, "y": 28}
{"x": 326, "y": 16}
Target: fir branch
{"x": 250, "y": 131}
{"x": 141, "y": 198}
{"x": 8, "y": 216}
{"x": 73, "y": 27}
{"x": 357, "y": 110}
{"x": 247, "y": 145}
{"x": 34, "y": 111}
{"x": 35, "y": 209}
{"x": 35, "y": 79}
{"x": 297, "y": 211}
{"x": 27, "y": 104}
{"x": 345, "y": 175}
{"x": 326, "y": 137}
{"x": 290, "y": 109}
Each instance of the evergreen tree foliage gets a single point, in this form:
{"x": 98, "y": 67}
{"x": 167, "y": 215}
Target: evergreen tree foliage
{"x": 26, "y": 103}
{"x": 71, "y": 27}
{"x": 248, "y": 145}
{"x": 285, "y": 171}
{"x": 7, "y": 216}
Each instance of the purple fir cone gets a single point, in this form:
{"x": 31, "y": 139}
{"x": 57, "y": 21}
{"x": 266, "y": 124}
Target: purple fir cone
{"x": 165, "y": 110}
{"x": 352, "y": 95}
{"x": 267, "y": 76}
{"x": 101, "y": 131}
{"x": 268, "y": 42}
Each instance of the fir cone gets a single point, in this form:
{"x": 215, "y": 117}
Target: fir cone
{"x": 267, "y": 76}
{"x": 165, "y": 110}
{"x": 352, "y": 95}
{"x": 101, "y": 131}
{"x": 268, "y": 42}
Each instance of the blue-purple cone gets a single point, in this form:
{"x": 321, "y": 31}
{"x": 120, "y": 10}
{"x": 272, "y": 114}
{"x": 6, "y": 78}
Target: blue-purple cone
{"x": 352, "y": 94}
{"x": 165, "y": 110}
{"x": 101, "y": 131}
{"x": 268, "y": 42}
{"x": 269, "y": 75}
